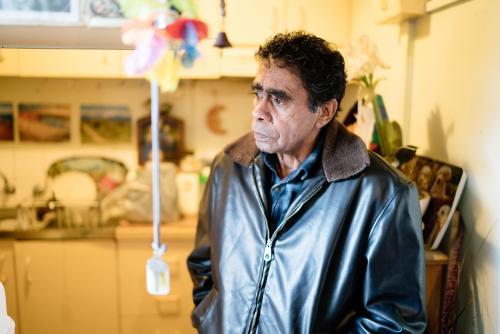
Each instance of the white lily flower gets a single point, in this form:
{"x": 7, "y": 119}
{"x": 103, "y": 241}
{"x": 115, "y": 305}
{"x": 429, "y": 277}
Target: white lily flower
{"x": 361, "y": 61}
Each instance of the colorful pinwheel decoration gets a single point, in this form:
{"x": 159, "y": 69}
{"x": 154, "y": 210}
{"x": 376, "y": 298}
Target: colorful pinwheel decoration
{"x": 165, "y": 34}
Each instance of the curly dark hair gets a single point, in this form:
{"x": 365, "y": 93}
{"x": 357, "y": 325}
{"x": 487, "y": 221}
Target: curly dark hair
{"x": 319, "y": 65}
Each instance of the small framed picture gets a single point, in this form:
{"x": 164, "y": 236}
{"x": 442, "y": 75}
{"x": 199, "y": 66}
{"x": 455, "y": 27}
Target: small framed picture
{"x": 105, "y": 123}
{"x": 6, "y": 122}
{"x": 36, "y": 12}
{"x": 48, "y": 122}
{"x": 171, "y": 138}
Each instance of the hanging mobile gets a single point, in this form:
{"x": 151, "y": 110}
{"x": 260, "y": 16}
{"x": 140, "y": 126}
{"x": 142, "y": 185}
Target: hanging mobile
{"x": 164, "y": 37}
{"x": 157, "y": 271}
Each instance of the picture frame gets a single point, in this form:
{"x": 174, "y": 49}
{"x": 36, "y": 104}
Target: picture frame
{"x": 6, "y": 121}
{"x": 442, "y": 183}
{"x": 44, "y": 122}
{"x": 40, "y": 12}
{"x": 103, "y": 13}
{"x": 171, "y": 139}
{"x": 105, "y": 124}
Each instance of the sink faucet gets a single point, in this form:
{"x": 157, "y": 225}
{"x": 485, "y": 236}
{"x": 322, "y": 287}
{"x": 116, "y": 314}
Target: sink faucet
{"x": 8, "y": 188}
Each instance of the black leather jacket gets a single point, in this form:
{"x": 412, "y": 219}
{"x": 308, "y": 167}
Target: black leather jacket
{"x": 348, "y": 257}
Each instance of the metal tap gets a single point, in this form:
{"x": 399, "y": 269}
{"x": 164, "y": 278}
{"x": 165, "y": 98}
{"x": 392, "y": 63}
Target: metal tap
{"x": 8, "y": 188}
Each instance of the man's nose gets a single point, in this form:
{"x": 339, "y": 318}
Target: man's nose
{"x": 261, "y": 110}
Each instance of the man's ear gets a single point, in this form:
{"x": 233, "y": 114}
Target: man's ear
{"x": 326, "y": 112}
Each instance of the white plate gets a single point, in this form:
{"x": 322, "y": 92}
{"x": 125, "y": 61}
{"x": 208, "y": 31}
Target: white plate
{"x": 74, "y": 187}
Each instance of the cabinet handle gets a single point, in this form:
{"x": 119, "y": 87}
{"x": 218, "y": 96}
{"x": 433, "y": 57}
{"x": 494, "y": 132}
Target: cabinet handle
{"x": 28, "y": 277}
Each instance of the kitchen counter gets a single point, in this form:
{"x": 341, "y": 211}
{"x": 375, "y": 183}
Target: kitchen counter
{"x": 107, "y": 232}
{"x": 183, "y": 229}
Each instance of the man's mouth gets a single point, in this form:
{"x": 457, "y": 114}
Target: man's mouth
{"x": 260, "y": 135}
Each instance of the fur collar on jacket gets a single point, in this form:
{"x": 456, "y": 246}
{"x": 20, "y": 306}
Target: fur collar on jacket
{"x": 344, "y": 154}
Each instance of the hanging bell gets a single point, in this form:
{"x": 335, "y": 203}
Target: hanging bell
{"x": 221, "y": 41}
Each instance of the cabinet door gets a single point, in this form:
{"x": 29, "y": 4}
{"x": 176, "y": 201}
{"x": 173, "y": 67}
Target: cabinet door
{"x": 92, "y": 287}
{"x": 239, "y": 62}
{"x": 252, "y": 22}
{"x": 69, "y": 63}
{"x": 209, "y": 11}
{"x": 328, "y": 19}
{"x": 41, "y": 286}
{"x": 207, "y": 66}
{"x": 67, "y": 287}
{"x": 142, "y": 313}
{"x": 8, "y": 279}
{"x": 9, "y": 62}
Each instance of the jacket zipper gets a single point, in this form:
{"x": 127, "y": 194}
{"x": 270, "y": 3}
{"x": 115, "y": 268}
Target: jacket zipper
{"x": 268, "y": 251}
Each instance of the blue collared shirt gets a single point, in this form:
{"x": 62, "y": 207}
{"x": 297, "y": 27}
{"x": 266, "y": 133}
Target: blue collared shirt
{"x": 284, "y": 191}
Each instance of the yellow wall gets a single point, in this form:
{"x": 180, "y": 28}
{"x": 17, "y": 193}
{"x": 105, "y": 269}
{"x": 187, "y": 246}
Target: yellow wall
{"x": 453, "y": 115}
{"x": 25, "y": 164}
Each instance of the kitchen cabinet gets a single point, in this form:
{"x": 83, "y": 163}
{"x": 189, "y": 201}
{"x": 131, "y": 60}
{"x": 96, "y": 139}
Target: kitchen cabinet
{"x": 396, "y": 11}
{"x": 9, "y": 62}
{"x": 140, "y": 312}
{"x": 8, "y": 277}
{"x": 238, "y": 62}
{"x": 67, "y": 286}
{"x": 69, "y": 63}
{"x": 207, "y": 66}
{"x": 62, "y": 63}
{"x": 328, "y": 19}
{"x": 250, "y": 23}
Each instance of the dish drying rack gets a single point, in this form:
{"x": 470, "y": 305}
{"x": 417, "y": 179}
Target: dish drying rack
{"x": 54, "y": 214}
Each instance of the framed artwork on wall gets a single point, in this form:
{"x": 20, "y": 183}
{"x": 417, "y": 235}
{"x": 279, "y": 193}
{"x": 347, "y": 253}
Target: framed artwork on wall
{"x": 47, "y": 122}
{"x": 6, "y": 122}
{"x": 171, "y": 138}
{"x": 105, "y": 123}
{"x": 35, "y": 12}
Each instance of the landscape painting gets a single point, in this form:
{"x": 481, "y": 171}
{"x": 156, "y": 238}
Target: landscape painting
{"x": 104, "y": 124}
{"x": 6, "y": 122}
{"x": 44, "y": 122}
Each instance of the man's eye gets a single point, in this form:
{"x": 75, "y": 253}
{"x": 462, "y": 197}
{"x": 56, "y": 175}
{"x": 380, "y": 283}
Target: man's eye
{"x": 258, "y": 94}
{"x": 276, "y": 100}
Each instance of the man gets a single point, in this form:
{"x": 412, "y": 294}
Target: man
{"x": 301, "y": 229}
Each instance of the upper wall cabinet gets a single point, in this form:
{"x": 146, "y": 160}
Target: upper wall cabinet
{"x": 328, "y": 19}
{"x": 63, "y": 63}
{"x": 248, "y": 24}
{"x": 9, "y": 62}
{"x": 209, "y": 11}
{"x": 207, "y": 66}
{"x": 68, "y": 63}
{"x": 395, "y": 11}
{"x": 252, "y": 22}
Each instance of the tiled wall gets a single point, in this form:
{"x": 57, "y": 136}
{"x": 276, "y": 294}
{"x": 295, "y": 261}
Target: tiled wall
{"x": 25, "y": 164}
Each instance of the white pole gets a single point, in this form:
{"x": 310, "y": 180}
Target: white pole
{"x": 155, "y": 167}
{"x": 157, "y": 270}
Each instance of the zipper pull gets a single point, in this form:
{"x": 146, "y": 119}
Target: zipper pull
{"x": 268, "y": 252}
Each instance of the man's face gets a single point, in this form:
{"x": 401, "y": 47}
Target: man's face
{"x": 282, "y": 121}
